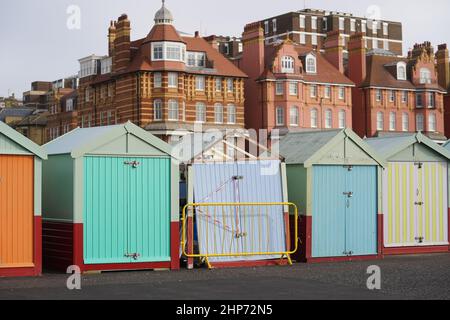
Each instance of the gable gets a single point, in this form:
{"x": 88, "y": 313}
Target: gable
{"x": 8, "y": 146}
{"x": 418, "y": 152}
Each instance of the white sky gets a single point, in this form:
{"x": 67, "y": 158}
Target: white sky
{"x": 35, "y": 43}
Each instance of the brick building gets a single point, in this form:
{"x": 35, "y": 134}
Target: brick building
{"x": 230, "y": 47}
{"x": 310, "y": 27}
{"x": 443, "y": 69}
{"x": 163, "y": 82}
{"x": 293, "y": 87}
{"x": 395, "y": 94}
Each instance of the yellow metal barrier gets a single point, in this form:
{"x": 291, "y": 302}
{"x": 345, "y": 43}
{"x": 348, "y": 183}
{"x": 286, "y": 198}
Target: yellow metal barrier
{"x": 237, "y": 228}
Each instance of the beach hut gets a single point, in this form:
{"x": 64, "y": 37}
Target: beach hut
{"x": 111, "y": 201}
{"x": 334, "y": 177}
{"x": 415, "y": 194}
{"x": 20, "y": 204}
{"x": 223, "y": 170}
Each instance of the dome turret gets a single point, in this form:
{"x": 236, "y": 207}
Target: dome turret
{"x": 163, "y": 15}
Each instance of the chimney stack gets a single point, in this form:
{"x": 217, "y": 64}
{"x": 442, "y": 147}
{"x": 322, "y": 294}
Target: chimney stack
{"x": 334, "y": 50}
{"x": 111, "y": 38}
{"x": 122, "y": 50}
{"x": 443, "y": 66}
{"x": 253, "y": 50}
{"x": 357, "y": 69}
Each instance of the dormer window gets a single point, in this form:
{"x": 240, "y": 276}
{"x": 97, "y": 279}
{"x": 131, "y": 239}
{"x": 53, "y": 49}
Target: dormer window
{"x": 401, "y": 71}
{"x": 171, "y": 51}
{"x": 287, "y": 64}
{"x": 196, "y": 59}
{"x": 311, "y": 64}
{"x": 425, "y": 76}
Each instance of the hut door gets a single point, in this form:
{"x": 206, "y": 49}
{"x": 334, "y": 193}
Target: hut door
{"x": 127, "y": 210}
{"x": 16, "y": 211}
{"x": 415, "y": 204}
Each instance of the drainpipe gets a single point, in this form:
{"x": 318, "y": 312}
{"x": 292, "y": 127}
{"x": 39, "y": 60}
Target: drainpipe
{"x": 138, "y": 99}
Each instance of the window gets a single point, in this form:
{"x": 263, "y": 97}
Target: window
{"x": 218, "y": 84}
{"x": 374, "y": 28}
{"x": 378, "y": 95}
{"x": 274, "y": 25}
{"x": 302, "y": 22}
{"x": 404, "y": 96}
{"x": 352, "y": 25}
{"x": 432, "y": 122}
{"x": 200, "y": 112}
{"x": 157, "y": 78}
{"x": 231, "y": 114}
{"x": 173, "y": 80}
{"x": 431, "y": 100}
{"x": 341, "y": 93}
{"x": 419, "y": 122}
{"x": 266, "y": 27}
{"x": 158, "y": 52}
{"x": 374, "y": 43}
{"x": 287, "y": 64}
{"x": 425, "y": 76}
{"x": 419, "y": 100}
{"x": 327, "y": 92}
{"x": 386, "y": 44}
{"x": 200, "y": 83}
{"x": 230, "y": 85}
{"x": 314, "y": 118}
{"x": 328, "y": 119}
{"x": 391, "y": 96}
{"x": 341, "y": 24}
{"x": 364, "y": 26}
{"x": 401, "y": 71}
{"x": 218, "y": 113}
{"x": 293, "y": 88}
{"x": 280, "y": 116}
{"x": 342, "y": 119}
{"x": 314, "y": 39}
{"x": 392, "y": 125}
{"x": 196, "y": 59}
{"x": 324, "y": 24}
{"x": 279, "y": 90}
{"x": 314, "y": 23}
{"x": 380, "y": 121}
{"x": 385, "y": 28}
{"x": 405, "y": 122}
{"x": 87, "y": 95}
{"x": 311, "y": 66}
{"x": 69, "y": 105}
{"x": 111, "y": 118}
{"x": 293, "y": 116}
{"x": 191, "y": 59}
{"x": 313, "y": 91}
{"x": 110, "y": 91}
{"x": 157, "y": 105}
{"x": 302, "y": 38}
{"x": 173, "y": 110}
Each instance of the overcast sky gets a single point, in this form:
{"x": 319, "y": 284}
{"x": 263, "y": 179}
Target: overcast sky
{"x": 36, "y": 44}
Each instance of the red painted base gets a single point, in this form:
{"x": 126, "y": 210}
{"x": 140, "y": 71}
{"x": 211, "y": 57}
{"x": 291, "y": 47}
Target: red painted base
{"x": 416, "y": 250}
{"x": 37, "y": 256}
{"x": 248, "y": 264}
{"x": 63, "y": 247}
{"x": 343, "y": 259}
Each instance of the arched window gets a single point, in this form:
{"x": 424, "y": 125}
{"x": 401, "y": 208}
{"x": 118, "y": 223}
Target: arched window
{"x": 314, "y": 118}
{"x": 173, "y": 110}
{"x": 342, "y": 119}
{"x": 392, "y": 124}
{"x": 419, "y": 122}
{"x": 380, "y": 121}
{"x": 311, "y": 64}
{"x": 405, "y": 122}
{"x": 200, "y": 112}
{"x": 401, "y": 71}
{"x": 432, "y": 122}
{"x": 328, "y": 119}
{"x": 218, "y": 113}
{"x": 425, "y": 75}
{"x": 293, "y": 116}
{"x": 157, "y": 110}
{"x": 287, "y": 64}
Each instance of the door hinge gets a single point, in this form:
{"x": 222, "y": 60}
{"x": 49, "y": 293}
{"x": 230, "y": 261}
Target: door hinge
{"x": 238, "y": 178}
{"x": 134, "y": 164}
{"x": 419, "y": 239}
{"x": 135, "y": 256}
{"x": 418, "y": 164}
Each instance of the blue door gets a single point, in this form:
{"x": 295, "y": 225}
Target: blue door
{"x": 344, "y": 211}
{"x": 329, "y": 204}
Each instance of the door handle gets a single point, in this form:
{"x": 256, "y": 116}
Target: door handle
{"x": 348, "y": 194}
{"x": 135, "y": 256}
{"x": 419, "y": 203}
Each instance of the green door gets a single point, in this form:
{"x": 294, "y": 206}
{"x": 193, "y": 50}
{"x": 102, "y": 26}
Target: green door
{"x": 126, "y": 210}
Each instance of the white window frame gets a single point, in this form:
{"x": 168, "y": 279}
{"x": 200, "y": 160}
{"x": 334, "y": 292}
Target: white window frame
{"x": 274, "y": 25}
{"x": 392, "y": 121}
{"x": 166, "y": 46}
{"x": 219, "y": 84}
{"x": 279, "y": 116}
{"x": 380, "y": 121}
{"x": 314, "y": 118}
{"x": 405, "y": 122}
{"x": 385, "y": 28}
{"x": 431, "y": 99}
{"x": 302, "y": 22}
{"x": 302, "y": 38}
{"x": 294, "y": 116}
{"x": 392, "y": 96}
{"x": 279, "y": 88}
{"x": 311, "y": 64}
{"x": 200, "y": 83}
{"x": 342, "y": 119}
{"x": 200, "y": 112}
{"x": 173, "y": 110}
{"x": 218, "y": 113}
{"x": 352, "y": 25}
{"x": 341, "y": 93}
{"x": 230, "y": 85}
{"x": 266, "y": 27}
{"x": 404, "y": 96}
{"x": 341, "y": 24}
{"x": 327, "y": 92}
{"x": 425, "y": 76}
{"x": 287, "y": 64}
{"x": 314, "y": 39}
{"x": 378, "y": 95}
{"x": 157, "y": 80}
{"x": 293, "y": 88}
{"x": 173, "y": 79}
{"x": 432, "y": 122}
{"x": 420, "y": 122}
{"x": 364, "y": 26}
{"x": 314, "y": 23}
{"x": 401, "y": 71}
{"x": 328, "y": 119}
{"x": 313, "y": 91}
{"x": 231, "y": 114}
